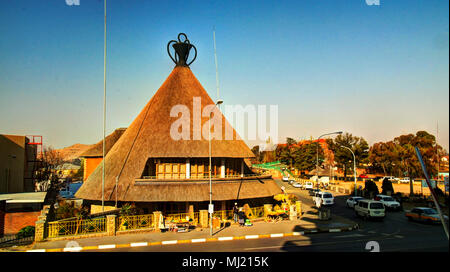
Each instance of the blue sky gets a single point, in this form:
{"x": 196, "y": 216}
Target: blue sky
{"x": 373, "y": 71}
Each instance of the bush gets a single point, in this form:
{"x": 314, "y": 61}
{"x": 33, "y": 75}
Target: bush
{"x": 387, "y": 187}
{"x": 370, "y": 189}
{"x": 26, "y": 232}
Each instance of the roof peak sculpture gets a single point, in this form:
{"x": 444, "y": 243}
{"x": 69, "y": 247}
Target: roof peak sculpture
{"x": 182, "y": 49}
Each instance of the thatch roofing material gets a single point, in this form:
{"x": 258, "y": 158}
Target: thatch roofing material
{"x": 97, "y": 149}
{"x": 160, "y": 191}
{"x": 149, "y": 137}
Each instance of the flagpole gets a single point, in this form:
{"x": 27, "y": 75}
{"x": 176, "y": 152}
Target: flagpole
{"x": 104, "y": 116}
{"x": 217, "y": 68}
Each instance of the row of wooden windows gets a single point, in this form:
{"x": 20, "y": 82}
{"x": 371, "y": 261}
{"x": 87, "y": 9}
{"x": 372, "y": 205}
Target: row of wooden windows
{"x": 199, "y": 168}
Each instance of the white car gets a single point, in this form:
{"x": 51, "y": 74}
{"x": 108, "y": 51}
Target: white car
{"x": 285, "y": 179}
{"x": 297, "y": 185}
{"x": 308, "y": 185}
{"x": 314, "y": 178}
{"x": 352, "y": 201}
{"x": 370, "y": 209}
{"x": 404, "y": 180}
{"x": 323, "y": 199}
{"x": 388, "y": 201}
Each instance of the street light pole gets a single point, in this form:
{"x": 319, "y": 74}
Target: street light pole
{"x": 354, "y": 164}
{"x": 210, "y": 168}
{"x": 317, "y": 153}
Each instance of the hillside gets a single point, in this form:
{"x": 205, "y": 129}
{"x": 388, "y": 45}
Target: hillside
{"x": 73, "y": 151}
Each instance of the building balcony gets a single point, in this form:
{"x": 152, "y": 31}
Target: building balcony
{"x": 205, "y": 178}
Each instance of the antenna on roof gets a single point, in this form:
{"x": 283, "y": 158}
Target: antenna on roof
{"x": 217, "y": 69}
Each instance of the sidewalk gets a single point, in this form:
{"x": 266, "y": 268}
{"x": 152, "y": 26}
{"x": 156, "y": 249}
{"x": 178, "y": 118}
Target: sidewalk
{"x": 308, "y": 224}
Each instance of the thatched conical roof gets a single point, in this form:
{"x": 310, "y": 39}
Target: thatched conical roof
{"x": 149, "y": 136}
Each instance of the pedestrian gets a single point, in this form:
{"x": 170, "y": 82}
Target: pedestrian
{"x": 235, "y": 212}
{"x": 241, "y": 217}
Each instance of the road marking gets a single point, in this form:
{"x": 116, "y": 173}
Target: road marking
{"x": 334, "y": 230}
{"x": 36, "y": 250}
{"x": 169, "y": 242}
{"x": 89, "y": 247}
{"x": 298, "y": 233}
{"x": 72, "y": 249}
{"x": 276, "y": 235}
{"x": 313, "y": 230}
{"x": 251, "y": 236}
{"x": 225, "y": 238}
{"x": 106, "y": 246}
{"x": 399, "y": 236}
{"x": 198, "y": 240}
{"x": 138, "y": 244}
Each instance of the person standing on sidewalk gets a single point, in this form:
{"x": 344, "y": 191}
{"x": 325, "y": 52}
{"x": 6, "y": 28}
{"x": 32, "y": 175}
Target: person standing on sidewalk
{"x": 235, "y": 212}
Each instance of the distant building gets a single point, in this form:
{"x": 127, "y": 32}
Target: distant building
{"x": 17, "y": 164}
{"x": 94, "y": 155}
{"x": 20, "y": 210}
{"x": 67, "y": 170}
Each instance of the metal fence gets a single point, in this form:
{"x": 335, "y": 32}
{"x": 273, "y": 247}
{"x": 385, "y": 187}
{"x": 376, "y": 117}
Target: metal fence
{"x": 76, "y": 227}
{"x": 134, "y": 222}
{"x": 182, "y": 217}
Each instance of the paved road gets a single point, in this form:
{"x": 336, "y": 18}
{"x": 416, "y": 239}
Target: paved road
{"x": 395, "y": 233}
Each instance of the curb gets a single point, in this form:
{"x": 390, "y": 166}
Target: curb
{"x": 198, "y": 240}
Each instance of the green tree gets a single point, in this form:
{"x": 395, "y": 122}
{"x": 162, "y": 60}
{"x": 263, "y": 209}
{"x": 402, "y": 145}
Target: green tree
{"x": 284, "y": 153}
{"x": 257, "y": 153}
{"x": 305, "y": 156}
{"x": 387, "y": 187}
{"x": 370, "y": 189}
{"x": 343, "y": 157}
{"x": 381, "y": 156}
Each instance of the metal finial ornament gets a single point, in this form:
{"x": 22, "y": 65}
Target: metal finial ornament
{"x": 182, "y": 49}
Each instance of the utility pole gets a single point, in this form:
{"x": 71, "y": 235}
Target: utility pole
{"x": 104, "y": 117}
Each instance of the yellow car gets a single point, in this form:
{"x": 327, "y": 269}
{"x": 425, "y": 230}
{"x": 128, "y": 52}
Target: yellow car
{"x": 424, "y": 214}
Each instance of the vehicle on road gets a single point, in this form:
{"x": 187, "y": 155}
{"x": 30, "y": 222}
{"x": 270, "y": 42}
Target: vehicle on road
{"x": 297, "y": 185}
{"x": 285, "y": 179}
{"x": 314, "y": 178}
{"x": 388, "y": 201}
{"x": 424, "y": 214}
{"x": 324, "y": 198}
{"x": 308, "y": 185}
{"x": 313, "y": 192}
{"x": 404, "y": 180}
{"x": 363, "y": 176}
{"x": 351, "y": 201}
{"x": 369, "y": 209}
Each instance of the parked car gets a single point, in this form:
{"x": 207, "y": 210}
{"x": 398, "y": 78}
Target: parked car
{"x": 314, "y": 178}
{"x": 324, "y": 198}
{"x": 370, "y": 209}
{"x": 313, "y": 192}
{"x": 404, "y": 180}
{"x": 285, "y": 179}
{"x": 424, "y": 214}
{"x": 308, "y": 185}
{"x": 352, "y": 201}
{"x": 297, "y": 185}
{"x": 388, "y": 201}
{"x": 363, "y": 176}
